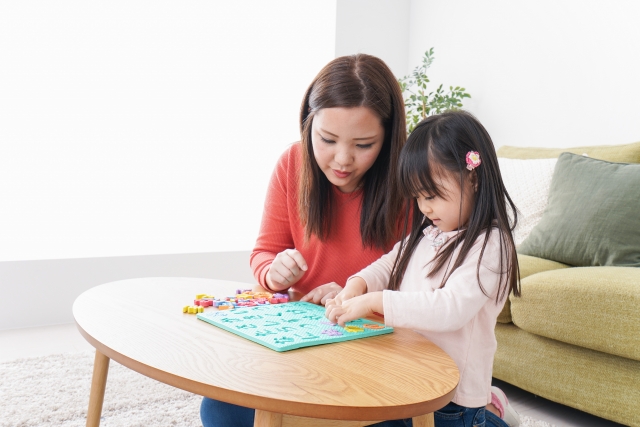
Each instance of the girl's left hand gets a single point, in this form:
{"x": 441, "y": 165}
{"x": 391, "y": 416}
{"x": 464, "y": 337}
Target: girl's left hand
{"x": 354, "y": 308}
{"x": 320, "y": 294}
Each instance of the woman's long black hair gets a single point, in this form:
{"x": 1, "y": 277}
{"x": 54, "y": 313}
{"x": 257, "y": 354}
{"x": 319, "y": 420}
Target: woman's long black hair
{"x": 355, "y": 81}
{"x": 439, "y": 144}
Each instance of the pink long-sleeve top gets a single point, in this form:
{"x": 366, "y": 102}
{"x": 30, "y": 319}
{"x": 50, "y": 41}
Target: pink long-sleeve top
{"x": 459, "y": 318}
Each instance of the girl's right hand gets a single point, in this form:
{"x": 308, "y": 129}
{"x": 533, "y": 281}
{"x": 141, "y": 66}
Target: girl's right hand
{"x": 286, "y": 269}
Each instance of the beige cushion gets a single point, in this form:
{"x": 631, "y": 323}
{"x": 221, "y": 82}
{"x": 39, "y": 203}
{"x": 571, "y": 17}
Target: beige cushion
{"x": 592, "y": 307}
{"x": 628, "y": 153}
{"x": 527, "y": 182}
{"x": 528, "y": 265}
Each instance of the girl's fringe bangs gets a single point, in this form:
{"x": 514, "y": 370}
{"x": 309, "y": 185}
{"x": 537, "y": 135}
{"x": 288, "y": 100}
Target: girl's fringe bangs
{"x": 416, "y": 170}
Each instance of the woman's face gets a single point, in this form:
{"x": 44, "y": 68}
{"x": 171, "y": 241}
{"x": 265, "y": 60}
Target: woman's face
{"x": 346, "y": 142}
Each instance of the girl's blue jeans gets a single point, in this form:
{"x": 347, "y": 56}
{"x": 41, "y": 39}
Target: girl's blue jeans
{"x": 214, "y": 413}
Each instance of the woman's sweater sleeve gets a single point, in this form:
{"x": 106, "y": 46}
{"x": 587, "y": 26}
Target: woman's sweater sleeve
{"x": 453, "y": 306}
{"x": 275, "y": 229}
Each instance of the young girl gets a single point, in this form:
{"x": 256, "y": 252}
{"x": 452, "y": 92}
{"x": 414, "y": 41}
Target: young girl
{"x": 450, "y": 277}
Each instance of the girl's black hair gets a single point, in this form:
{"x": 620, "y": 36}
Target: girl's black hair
{"x": 440, "y": 144}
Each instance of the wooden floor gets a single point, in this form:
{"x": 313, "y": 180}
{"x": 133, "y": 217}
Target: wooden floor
{"x": 34, "y": 342}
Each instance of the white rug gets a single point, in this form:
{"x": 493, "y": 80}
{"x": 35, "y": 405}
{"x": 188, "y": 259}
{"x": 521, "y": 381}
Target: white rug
{"x": 53, "y": 391}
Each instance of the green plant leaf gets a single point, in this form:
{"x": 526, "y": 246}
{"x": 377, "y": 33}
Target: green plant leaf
{"x": 420, "y": 104}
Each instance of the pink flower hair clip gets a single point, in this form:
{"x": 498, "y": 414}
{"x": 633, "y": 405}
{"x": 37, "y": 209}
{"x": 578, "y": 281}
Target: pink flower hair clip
{"x": 473, "y": 160}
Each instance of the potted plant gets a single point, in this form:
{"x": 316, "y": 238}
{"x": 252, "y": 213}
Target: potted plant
{"x": 419, "y": 103}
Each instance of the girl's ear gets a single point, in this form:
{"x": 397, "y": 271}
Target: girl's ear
{"x": 473, "y": 178}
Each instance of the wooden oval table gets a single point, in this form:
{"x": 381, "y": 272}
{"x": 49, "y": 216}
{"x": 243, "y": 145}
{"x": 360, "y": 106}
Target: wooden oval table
{"x": 139, "y": 323}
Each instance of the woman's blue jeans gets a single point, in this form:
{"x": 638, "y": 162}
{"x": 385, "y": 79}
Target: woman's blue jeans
{"x": 214, "y": 413}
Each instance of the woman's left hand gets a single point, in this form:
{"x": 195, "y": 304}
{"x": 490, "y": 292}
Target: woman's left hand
{"x": 354, "y": 308}
{"x": 322, "y": 293}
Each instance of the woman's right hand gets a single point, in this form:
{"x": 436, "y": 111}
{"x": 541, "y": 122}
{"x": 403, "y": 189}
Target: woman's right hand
{"x": 286, "y": 269}
{"x": 322, "y": 293}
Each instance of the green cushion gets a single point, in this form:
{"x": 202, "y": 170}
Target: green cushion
{"x": 592, "y": 307}
{"x": 627, "y": 153}
{"x": 528, "y": 265}
{"x": 593, "y": 215}
{"x": 591, "y": 381}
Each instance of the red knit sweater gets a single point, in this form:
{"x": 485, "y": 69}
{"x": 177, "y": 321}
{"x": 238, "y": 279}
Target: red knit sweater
{"x": 333, "y": 260}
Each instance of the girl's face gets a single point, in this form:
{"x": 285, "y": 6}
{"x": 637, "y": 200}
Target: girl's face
{"x": 453, "y": 210}
{"x": 346, "y": 142}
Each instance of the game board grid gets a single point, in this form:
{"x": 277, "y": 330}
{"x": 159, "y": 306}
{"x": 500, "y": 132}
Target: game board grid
{"x": 291, "y": 325}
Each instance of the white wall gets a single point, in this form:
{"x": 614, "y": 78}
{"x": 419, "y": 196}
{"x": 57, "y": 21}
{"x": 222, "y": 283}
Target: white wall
{"x": 136, "y": 127}
{"x": 139, "y": 128}
{"x": 552, "y": 73}
{"x": 376, "y": 27}
{"x": 42, "y": 292}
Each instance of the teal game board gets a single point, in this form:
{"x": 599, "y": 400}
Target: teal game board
{"x": 288, "y": 326}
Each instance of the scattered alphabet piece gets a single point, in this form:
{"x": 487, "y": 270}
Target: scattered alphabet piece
{"x": 190, "y": 309}
{"x": 242, "y": 298}
{"x": 332, "y": 332}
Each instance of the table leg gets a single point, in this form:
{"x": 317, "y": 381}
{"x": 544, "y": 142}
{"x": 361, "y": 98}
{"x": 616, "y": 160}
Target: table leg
{"x": 424, "y": 421}
{"x": 267, "y": 419}
{"x": 98, "y": 384}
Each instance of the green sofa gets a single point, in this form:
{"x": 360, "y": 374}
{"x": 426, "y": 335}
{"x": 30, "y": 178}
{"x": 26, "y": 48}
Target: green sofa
{"x": 573, "y": 337}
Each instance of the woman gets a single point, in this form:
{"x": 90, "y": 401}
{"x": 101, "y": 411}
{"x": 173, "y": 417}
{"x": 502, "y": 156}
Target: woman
{"x": 332, "y": 204}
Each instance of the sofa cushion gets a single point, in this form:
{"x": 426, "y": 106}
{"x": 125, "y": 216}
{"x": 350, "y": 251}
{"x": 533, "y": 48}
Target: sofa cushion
{"x": 592, "y": 307}
{"x": 627, "y": 153}
{"x": 527, "y": 182}
{"x": 592, "y": 215}
{"x": 601, "y": 384}
{"x": 528, "y": 265}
